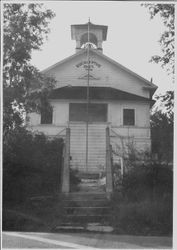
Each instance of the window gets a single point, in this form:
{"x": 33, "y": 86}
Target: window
{"x": 46, "y": 115}
{"x": 128, "y": 117}
{"x": 97, "y": 112}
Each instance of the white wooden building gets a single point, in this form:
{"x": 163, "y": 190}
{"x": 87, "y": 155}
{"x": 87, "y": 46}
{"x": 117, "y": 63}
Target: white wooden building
{"x": 118, "y": 98}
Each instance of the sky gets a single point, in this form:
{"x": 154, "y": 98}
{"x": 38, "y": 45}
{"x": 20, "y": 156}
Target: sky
{"x": 131, "y": 40}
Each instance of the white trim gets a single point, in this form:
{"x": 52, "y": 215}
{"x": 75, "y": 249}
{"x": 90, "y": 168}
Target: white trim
{"x": 133, "y": 127}
{"x": 78, "y": 101}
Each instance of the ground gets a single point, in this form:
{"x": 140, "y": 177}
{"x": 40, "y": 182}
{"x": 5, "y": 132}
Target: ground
{"x": 82, "y": 240}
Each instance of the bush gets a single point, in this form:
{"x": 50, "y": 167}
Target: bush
{"x": 144, "y": 182}
{"x": 145, "y": 205}
{"x": 143, "y": 218}
{"x": 38, "y": 214}
{"x": 74, "y": 180}
{"x": 31, "y": 166}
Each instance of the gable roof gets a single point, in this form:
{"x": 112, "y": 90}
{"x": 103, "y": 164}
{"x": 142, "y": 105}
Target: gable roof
{"x": 148, "y": 85}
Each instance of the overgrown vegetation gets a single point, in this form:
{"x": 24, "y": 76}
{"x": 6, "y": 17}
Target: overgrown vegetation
{"x": 31, "y": 166}
{"x": 32, "y": 169}
{"x": 145, "y": 206}
{"x": 162, "y": 136}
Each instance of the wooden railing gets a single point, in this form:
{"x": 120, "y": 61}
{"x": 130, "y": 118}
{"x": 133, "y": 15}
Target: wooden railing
{"x": 109, "y": 174}
{"x": 65, "y": 181}
{"x": 117, "y": 160}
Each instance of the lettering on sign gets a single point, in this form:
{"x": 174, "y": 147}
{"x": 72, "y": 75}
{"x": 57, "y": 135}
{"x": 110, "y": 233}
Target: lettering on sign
{"x": 91, "y": 65}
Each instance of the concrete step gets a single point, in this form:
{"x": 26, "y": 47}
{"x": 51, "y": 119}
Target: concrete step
{"x": 88, "y": 175}
{"x": 86, "y": 218}
{"x": 86, "y": 203}
{"x": 78, "y": 227}
{"x": 87, "y": 196}
{"x": 87, "y": 211}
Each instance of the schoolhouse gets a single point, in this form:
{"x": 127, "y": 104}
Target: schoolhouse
{"x": 94, "y": 94}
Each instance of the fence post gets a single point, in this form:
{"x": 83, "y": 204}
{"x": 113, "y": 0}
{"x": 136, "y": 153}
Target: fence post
{"x": 109, "y": 179}
{"x": 66, "y": 166}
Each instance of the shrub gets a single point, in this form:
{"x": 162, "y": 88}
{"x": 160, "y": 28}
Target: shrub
{"x": 143, "y": 218}
{"x": 39, "y": 214}
{"x": 74, "y": 180}
{"x": 144, "y": 182}
{"x": 145, "y": 205}
{"x": 31, "y": 166}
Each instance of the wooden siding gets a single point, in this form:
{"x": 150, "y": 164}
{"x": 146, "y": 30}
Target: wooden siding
{"x": 96, "y": 146}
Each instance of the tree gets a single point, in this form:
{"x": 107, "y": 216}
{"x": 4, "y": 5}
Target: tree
{"x": 162, "y": 120}
{"x": 25, "y": 29}
{"x": 168, "y": 103}
{"x": 162, "y": 136}
{"x": 167, "y": 39}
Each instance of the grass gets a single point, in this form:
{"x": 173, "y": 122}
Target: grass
{"x": 40, "y": 215}
{"x": 143, "y": 218}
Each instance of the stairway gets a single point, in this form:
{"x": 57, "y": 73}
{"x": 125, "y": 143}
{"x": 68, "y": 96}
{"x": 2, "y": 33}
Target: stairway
{"x": 89, "y": 207}
{"x": 96, "y": 147}
{"x": 86, "y": 211}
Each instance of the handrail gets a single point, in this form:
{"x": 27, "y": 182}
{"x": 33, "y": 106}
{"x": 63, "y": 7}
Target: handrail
{"x": 109, "y": 175}
{"x": 59, "y": 133}
{"x": 65, "y": 188}
{"x": 120, "y": 136}
{"x": 120, "y": 156}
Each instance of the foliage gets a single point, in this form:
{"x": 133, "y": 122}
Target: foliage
{"x": 74, "y": 180}
{"x": 144, "y": 182}
{"x": 25, "y": 29}
{"x": 144, "y": 218}
{"x": 167, "y": 102}
{"x": 144, "y": 206}
{"x": 133, "y": 156}
{"x": 31, "y": 165}
{"x": 167, "y": 43}
{"x": 167, "y": 39}
{"x": 162, "y": 135}
{"x": 162, "y": 122}
{"x": 19, "y": 221}
{"x": 41, "y": 214}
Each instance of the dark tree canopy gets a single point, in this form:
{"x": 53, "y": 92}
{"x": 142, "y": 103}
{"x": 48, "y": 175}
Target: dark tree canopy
{"x": 25, "y": 29}
{"x": 162, "y": 136}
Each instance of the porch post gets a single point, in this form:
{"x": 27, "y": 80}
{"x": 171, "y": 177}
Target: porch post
{"x": 66, "y": 166}
{"x": 109, "y": 180}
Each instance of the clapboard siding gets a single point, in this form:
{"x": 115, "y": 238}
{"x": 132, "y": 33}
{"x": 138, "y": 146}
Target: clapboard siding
{"x": 96, "y": 146}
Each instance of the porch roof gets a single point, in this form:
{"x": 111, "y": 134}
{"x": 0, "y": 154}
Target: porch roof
{"x": 95, "y": 93}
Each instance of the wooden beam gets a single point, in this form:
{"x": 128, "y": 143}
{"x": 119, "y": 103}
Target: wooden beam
{"x": 66, "y": 166}
{"x": 109, "y": 179}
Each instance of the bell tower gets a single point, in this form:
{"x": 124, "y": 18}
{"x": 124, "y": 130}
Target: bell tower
{"x": 97, "y": 34}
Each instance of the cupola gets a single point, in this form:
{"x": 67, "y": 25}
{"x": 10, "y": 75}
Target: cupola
{"x": 96, "y": 34}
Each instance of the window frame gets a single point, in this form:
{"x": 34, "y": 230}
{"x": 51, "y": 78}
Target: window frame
{"x": 51, "y": 118}
{"x": 92, "y": 120}
{"x": 128, "y": 125}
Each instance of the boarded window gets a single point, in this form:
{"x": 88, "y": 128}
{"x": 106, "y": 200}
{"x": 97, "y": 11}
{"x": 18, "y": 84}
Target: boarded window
{"x": 129, "y": 117}
{"x": 46, "y": 115}
{"x": 96, "y": 112}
